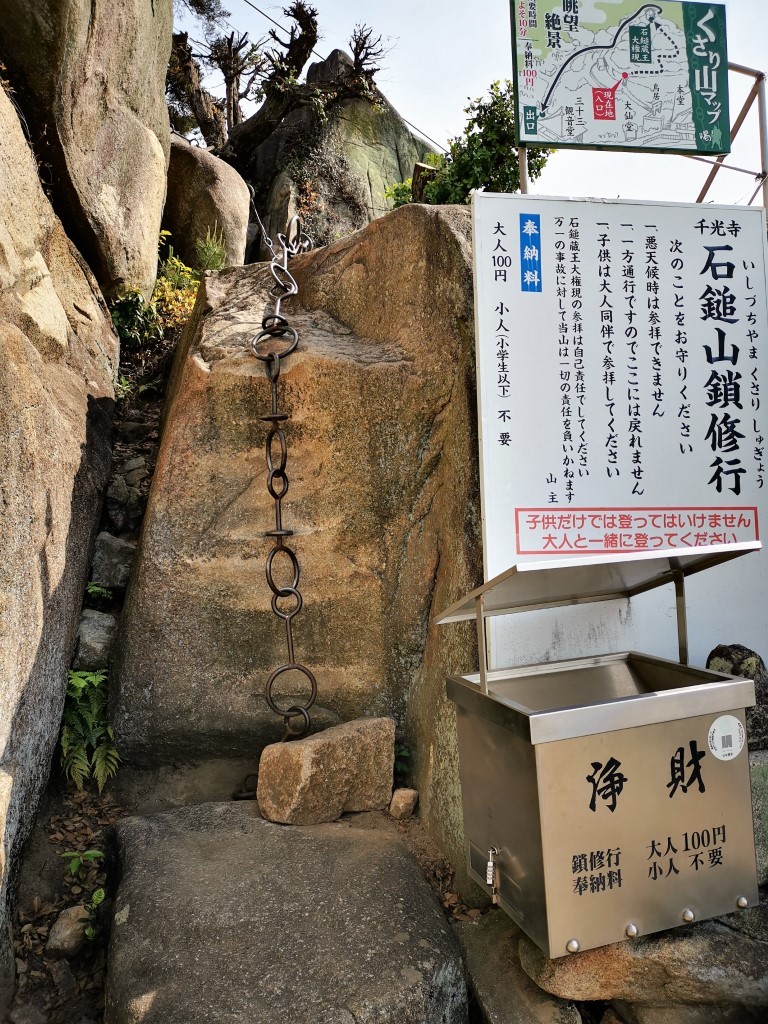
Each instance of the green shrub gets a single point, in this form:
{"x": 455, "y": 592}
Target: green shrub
{"x": 136, "y": 321}
{"x": 485, "y": 156}
{"x": 87, "y": 741}
{"x": 399, "y": 193}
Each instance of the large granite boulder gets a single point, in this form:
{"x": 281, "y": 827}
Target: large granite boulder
{"x": 57, "y": 357}
{"x": 223, "y": 917}
{"x": 383, "y": 498}
{"x": 334, "y": 170}
{"x": 205, "y": 195}
{"x": 90, "y": 79}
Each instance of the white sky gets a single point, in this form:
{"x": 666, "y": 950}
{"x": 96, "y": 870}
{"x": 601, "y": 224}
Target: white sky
{"x": 444, "y": 54}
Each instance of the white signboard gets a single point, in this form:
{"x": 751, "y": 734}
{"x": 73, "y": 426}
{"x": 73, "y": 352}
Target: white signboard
{"x": 622, "y": 74}
{"x": 621, "y": 351}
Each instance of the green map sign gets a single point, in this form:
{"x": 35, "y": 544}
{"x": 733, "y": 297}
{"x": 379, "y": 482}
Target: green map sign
{"x": 621, "y": 74}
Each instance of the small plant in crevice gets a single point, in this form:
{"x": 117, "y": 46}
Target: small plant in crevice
{"x": 78, "y": 862}
{"x": 402, "y": 765}
{"x": 87, "y": 742}
{"x": 92, "y": 925}
{"x": 209, "y": 251}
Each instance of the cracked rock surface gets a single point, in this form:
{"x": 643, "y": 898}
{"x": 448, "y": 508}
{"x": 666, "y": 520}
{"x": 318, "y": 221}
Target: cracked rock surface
{"x": 223, "y": 917}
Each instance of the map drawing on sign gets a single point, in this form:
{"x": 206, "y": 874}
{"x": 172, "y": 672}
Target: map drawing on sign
{"x": 614, "y": 73}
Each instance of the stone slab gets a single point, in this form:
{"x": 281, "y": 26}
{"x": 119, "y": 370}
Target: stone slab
{"x": 344, "y": 769}
{"x": 221, "y": 916}
{"x": 504, "y": 992}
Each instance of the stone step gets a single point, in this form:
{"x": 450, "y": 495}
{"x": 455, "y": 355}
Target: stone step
{"x": 221, "y": 916}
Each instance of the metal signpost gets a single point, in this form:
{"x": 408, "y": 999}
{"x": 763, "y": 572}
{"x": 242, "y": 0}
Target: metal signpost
{"x": 621, "y": 351}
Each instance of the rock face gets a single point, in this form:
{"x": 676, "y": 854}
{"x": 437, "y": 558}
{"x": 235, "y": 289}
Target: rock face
{"x": 383, "y": 497}
{"x": 334, "y": 172}
{"x": 343, "y": 769}
{"x": 57, "y": 357}
{"x": 200, "y": 931}
{"x": 205, "y": 194}
{"x": 91, "y": 81}
{"x": 716, "y": 962}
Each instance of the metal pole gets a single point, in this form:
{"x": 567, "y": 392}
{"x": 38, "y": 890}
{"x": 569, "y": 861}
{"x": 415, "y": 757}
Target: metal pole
{"x": 482, "y": 655}
{"x": 763, "y": 116}
{"x": 522, "y": 163}
{"x": 682, "y": 619}
{"x": 734, "y": 132}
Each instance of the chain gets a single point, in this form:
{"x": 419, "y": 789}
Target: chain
{"x": 274, "y": 343}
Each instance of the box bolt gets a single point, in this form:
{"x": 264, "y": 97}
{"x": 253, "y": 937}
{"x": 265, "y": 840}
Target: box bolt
{"x": 631, "y": 931}
{"x": 572, "y": 946}
{"x": 688, "y": 916}
{"x": 742, "y": 902}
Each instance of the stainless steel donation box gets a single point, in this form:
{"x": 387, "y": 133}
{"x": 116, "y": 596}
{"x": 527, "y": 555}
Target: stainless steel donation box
{"x": 606, "y": 797}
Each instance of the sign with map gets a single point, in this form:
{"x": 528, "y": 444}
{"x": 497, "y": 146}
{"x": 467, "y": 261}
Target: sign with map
{"x": 621, "y": 74}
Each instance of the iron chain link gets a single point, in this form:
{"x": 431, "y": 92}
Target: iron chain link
{"x": 274, "y": 343}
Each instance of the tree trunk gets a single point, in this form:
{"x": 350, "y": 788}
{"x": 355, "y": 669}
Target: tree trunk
{"x": 185, "y": 74}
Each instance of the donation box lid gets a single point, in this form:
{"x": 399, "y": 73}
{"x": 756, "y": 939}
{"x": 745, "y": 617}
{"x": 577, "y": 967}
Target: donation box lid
{"x": 551, "y": 584}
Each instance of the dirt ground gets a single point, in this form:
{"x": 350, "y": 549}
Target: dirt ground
{"x": 51, "y": 990}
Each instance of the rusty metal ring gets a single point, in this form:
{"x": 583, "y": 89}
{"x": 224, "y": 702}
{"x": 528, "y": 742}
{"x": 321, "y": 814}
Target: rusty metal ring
{"x": 283, "y": 591}
{"x": 276, "y": 432}
{"x": 272, "y": 334}
{"x": 294, "y": 712}
{"x": 273, "y": 322}
{"x": 290, "y": 713}
{"x": 287, "y": 592}
{"x": 277, "y": 474}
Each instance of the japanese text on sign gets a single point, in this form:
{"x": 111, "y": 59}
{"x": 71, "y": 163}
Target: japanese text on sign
{"x": 628, "y": 340}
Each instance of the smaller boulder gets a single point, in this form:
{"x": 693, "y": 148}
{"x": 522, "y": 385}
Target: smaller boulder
{"x": 112, "y": 560}
{"x": 205, "y": 194}
{"x": 403, "y": 803}
{"x": 317, "y": 779}
{"x": 736, "y": 660}
{"x": 67, "y": 935}
{"x": 95, "y": 640}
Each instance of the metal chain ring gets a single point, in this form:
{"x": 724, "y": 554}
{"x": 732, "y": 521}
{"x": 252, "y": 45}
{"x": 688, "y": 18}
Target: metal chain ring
{"x": 275, "y": 342}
